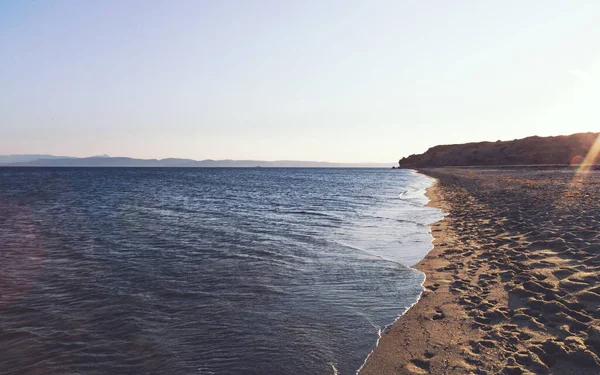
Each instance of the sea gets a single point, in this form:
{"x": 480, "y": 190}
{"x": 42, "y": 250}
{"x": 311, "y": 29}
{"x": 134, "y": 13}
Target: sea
{"x": 205, "y": 270}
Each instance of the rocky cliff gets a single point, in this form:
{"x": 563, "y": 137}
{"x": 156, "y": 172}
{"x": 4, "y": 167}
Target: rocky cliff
{"x": 565, "y": 150}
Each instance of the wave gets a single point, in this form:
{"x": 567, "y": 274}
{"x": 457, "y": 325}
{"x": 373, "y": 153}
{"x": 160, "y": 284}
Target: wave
{"x": 314, "y": 213}
{"x": 380, "y": 331}
{"x": 406, "y": 221}
{"x": 381, "y": 257}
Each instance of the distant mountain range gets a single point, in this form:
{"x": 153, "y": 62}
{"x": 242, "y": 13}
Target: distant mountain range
{"x": 560, "y": 150}
{"x": 107, "y": 161}
{"x": 9, "y": 159}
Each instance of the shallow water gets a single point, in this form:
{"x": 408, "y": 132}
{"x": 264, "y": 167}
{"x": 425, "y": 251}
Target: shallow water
{"x": 208, "y": 271}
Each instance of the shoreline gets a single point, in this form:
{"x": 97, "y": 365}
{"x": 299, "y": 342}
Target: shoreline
{"x": 434, "y": 202}
{"x": 499, "y": 296}
{"x": 381, "y": 360}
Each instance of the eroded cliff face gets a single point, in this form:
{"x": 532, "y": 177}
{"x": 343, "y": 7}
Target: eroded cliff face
{"x": 566, "y": 149}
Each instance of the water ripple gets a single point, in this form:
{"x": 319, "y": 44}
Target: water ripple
{"x": 210, "y": 271}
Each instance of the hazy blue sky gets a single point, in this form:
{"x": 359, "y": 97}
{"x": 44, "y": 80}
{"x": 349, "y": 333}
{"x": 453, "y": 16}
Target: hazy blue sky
{"x": 305, "y": 80}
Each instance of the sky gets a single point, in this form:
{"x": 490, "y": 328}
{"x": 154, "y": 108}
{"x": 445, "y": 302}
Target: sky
{"x": 340, "y": 81}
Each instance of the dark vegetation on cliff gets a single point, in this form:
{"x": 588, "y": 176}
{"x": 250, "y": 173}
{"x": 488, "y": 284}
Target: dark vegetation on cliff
{"x": 561, "y": 150}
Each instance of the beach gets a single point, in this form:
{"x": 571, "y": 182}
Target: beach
{"x": 512, "y": 282}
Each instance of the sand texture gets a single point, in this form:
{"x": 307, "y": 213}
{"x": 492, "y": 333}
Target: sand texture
{"x": 513, "y": 281}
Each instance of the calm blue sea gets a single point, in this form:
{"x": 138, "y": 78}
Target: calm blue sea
{"x": 205, "y": 271}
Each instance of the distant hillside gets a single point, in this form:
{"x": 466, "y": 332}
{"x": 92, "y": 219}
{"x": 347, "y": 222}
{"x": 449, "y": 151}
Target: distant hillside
{"x": 9, "y": 159}
{"x": 106, "y": 161}
{"x": 566, "y": 149}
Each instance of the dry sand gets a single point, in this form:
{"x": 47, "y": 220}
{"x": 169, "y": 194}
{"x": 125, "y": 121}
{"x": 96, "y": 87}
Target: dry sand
{"x": 513, "y": 281}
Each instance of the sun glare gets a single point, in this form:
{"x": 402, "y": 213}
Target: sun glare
{"x": 591, "y": 158}
{"x": 585, "y": 166}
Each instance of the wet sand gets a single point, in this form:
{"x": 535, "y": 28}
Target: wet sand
{"x": 513, "y": 280}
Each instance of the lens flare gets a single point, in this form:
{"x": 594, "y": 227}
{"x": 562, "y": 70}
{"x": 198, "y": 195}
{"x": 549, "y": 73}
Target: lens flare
{"x": 585, "y": 167}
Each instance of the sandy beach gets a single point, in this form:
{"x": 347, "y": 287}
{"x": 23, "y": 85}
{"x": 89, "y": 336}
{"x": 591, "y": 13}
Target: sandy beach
{"x": 513, "y": 280}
